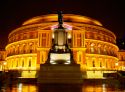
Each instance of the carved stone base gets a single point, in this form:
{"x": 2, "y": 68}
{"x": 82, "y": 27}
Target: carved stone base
{"x": 60, "y": 73}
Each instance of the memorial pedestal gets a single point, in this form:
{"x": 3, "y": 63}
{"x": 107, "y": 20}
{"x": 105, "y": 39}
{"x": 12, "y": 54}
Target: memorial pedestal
{"x": 60, "y": 73}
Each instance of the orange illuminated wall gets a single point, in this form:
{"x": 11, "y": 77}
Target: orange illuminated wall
{"x": 44, "y": 44}
{"x": 78, "y": 46}
{"x": 3, "y": 63}
{"x": 121, "y": 63}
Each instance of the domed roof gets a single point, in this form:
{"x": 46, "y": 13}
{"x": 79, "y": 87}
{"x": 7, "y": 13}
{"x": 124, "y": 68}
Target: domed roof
{"x": 66, "y": 18}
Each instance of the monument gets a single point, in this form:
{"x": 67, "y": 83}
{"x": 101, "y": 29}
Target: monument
{"x": 60, "y": 66}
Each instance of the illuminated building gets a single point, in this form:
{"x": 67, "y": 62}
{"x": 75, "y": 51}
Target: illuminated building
{"x": 2, "y": 60}
{"x": 121, "y": 64}
{"x": 94, "y": 47}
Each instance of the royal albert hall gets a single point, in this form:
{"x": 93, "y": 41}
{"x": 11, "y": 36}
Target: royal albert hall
{"x": 94, "y": 47}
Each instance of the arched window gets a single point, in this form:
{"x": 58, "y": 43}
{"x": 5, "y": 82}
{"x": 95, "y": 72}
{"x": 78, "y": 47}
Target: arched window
{"x": 93, "y": 63}
{"x": 99, "y": 49}
{"x": 92, "y": 48}
{"x": 29, "y": 63}
{"x": 79, "y": 58}
{"x": 30, "y": 48}
{"x": 12, "y": 64}
{"x": 21, "y": 49}
{"x": 105, "y": 49}
{"x": 100, "y": 64}
{"x": 108, "y": 50}
{"x": 25, "y": 35}
{"x": 24, "y": 48}
{"x": 112, "y": 52}
{"x": 17, "y": 64}
{"x": 17, "y": 50}
{"x": 23, "y": 63}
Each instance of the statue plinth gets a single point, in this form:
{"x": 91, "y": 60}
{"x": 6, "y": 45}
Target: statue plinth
{"x": 60, "y": 74}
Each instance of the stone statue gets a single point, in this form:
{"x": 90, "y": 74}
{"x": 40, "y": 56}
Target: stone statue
{"x": 60, "y": 53}
{"x": 60, "y": 21}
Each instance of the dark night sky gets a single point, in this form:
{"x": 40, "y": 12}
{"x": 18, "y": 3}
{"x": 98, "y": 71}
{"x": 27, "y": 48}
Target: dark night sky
{"x": 110, "y": 13}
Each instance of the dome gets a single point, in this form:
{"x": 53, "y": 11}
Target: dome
{"x": 66, "y": 18}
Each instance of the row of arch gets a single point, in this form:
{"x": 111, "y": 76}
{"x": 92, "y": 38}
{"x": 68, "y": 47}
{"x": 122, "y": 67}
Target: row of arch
{"x": 97, "y": 36}
{"x": 91, "y": 47}
{"x": 23, "y": 36}
{"x": 24, "y": 48}
{"x": 100, "y": 63}
{"x": 24, "y": 63}
{"x": 121, "y": 56}
{"x": 88, "y": 35}
{"x": 94, "y": 47}
{"x": 99, "y": 30}
{"x": 97, "y": 33}
{"x": 92, "y": 32}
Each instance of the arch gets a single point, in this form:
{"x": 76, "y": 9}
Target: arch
{"x": 92, "y": 49}
{"x": 98, "y": 48}
{"x": 93, "y": 63}
{"x": 105, "y": 49}
{"x": 24, "y": 48}
{"x": 23, "y": 63}
{"x": 29, "y": 63}
{"x": 100, "y": 64}
{"x": 17, "y": 63}
{"x": 30, "y": 47}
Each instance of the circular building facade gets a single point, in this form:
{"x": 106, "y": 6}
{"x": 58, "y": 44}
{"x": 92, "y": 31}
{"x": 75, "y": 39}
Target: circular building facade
{"x": 94, "y": 47}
